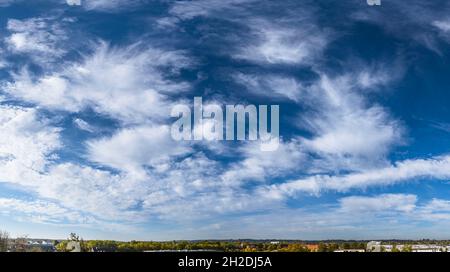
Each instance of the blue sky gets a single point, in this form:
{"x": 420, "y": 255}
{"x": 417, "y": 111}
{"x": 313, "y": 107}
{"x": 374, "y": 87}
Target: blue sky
{"x": 86, "y": 93}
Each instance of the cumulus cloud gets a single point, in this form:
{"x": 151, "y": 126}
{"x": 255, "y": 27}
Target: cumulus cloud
{"x": 149, "y": 184}
{"x": 136, "y": 147}
{"x": 26, "y": 160}
{"x": 27, "y": 142}
{"x": 436, "y": 210}
{"x": 28, "y": 148}
{"x": 150, "y": 177}
{"x": 258, "y": 165}
{"x": 124, "y": 83}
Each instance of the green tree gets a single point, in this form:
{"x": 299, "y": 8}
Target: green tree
{"x": 395, "y": 249}
{"x": 61, "y": 246}
{"x": 407, "y": 248}
{"x": 4, "y": 241}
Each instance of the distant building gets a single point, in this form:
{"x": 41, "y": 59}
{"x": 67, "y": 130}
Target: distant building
{"x": 350, "y": 250}
{"x": 428, "y": 248}
{"x": 373, "y": 246}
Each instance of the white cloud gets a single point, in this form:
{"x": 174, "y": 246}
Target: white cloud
{"x": 345, "y": 127}
{"x": 444, "y": 26}
{"x": 39, "y": 211}
{"x": 258, "y": 165}
{"x": 400, "y": 215}
{"x": 385, "y": 202}
{"x": 261, "y": 38}
{"x": 83, "y": 125}
{"x": 27, "y": 147}
{"x": 124, "y": 83}
{"x": 133, "y": 148}
{"x": 41, "y": 38}
{"x": 5, "y": 3}
{"x": 100, "y": 193}
{"x": 400, "y": 207}
{"x": 434, "y": 168}
{"x": 106, "y": 5}
{"x": 191, "y": 9}
{"x": 127, "y": 84}
{"x": 74, "y": 2}
{"x": 53, "y": 214}
{"x": 136, "y": 196}
{"x": 3, "y": 62}
{"x": 193, "y": 185}
{"x": 26, "y": 142}
{"x": 271, "y": 85}
{"x": 347, "y": 132}
{"x": 153, "y": 180}
{"x": 436, "y": 210}
{"x": 414, "y": 22}
{"x": 437, "y": 205}
{"x": 283, "y": 45}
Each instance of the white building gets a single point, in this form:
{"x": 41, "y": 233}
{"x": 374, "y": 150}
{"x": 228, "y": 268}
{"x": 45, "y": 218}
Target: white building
{"x": 373, "y": 246}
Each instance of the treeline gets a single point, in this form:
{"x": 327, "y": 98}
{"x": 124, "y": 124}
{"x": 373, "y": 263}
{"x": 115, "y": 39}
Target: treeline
{"x": 139, "y": 246}
{"x": 226, "y": 246}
